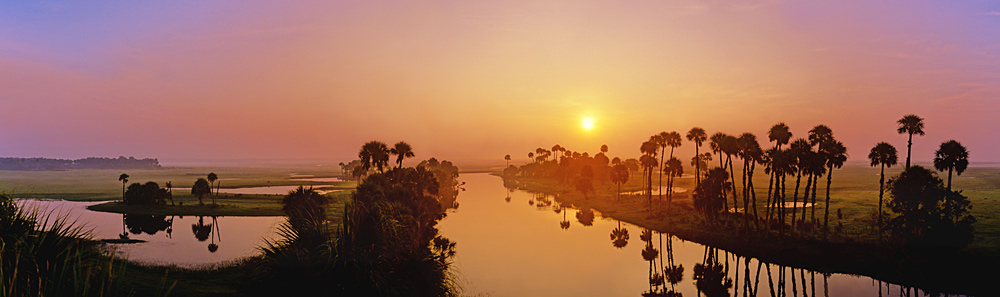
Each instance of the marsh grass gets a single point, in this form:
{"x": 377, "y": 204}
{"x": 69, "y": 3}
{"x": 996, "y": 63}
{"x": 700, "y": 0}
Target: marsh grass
{"x": 46, "y": 255}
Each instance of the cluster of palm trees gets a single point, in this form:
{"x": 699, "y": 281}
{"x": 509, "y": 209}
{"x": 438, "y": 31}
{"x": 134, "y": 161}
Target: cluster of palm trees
{"x": 375, "y": 154}
{"x": 951, "y": 156}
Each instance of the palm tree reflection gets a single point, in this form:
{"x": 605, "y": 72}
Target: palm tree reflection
{"x": 619, "y": 236}
{"x": 212, "y": 247}
{"x": 710, "y": 277}
{"x": 200, "y": 230}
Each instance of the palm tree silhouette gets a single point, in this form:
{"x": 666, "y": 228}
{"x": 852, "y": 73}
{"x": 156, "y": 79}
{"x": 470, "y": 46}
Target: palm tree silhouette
{"x": 910, "y": 124}
{"x": 565, "y": 223}
{"x": 836, "y": 155}
{"x": 200, "y": 189}
{"x": 698, "y": 136}
{"x": 661, "y": 141}
{"x": 883, "y": 154}
{"x": 780, "y": 134}
{"x": 200, "y": 230}
{"x": 751, "y": 153}
{"x": 800, "y": 150}
{"x": 124, "y": 179}
{"x": 211, "y": 180}
{"x": 648, "y": 161}
{"x": 507, "y": 158}
{"x": 619, "y": 176}
{"x": 619, "y": 236}
{"x": 170, "y": 191}
{"x": 673, "y": 169}
{"x": 402, "y": 150}
{"x": 673, "y": 140}
{"x": 374, "y": 154}
{"x": 212, "y": 247}
{"x": 951, "y": 156}
{"x": 604, "y": 148}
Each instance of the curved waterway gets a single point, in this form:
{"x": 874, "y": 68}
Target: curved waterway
{"x": 173, "y": 240}
{"x": 508, "y": 247}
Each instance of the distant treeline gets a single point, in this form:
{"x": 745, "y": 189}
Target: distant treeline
{"x": 43, "y": 164}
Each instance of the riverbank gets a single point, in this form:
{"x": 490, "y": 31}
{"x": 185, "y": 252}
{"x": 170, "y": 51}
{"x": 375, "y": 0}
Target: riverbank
{"x": 928, "y": 270}
{"x": 226, "y": 205}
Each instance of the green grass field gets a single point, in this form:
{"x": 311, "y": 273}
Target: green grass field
{"x": 100, "y": 185}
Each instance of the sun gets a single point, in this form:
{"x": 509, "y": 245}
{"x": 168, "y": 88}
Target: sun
{"x": 587, "y": 124}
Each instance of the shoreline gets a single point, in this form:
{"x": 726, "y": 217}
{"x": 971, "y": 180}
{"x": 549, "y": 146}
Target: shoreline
{"x": 930, "y": 270}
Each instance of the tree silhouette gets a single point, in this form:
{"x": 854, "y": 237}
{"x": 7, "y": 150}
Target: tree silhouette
{"x": 124, "y": 179}
{"x": 604, "y": 148}
{"x": 673, "y": 169}
{"x": 619, "y": 176}
{"x": 780, "y": 134}
{"x": 884, "y": 155}
{"x": 836, "y": 155}
{"x": 661, "y": 141}
{"x": 374, "y": 154}
{"x": 709, "y": 196}
{"x": 507, "y": 158}
{"x": 200, "y": 189}
{"x": 170, "y": 191}
{"x": 673, "y": 140}
{"x": 211, "y": 180}
{"x": 698, "y": 136}
{"x": 648, "y": 162}
{"x": 619, "y": 236}
{"x": 200, "y": 230}
{"x": 929, "y": 214}
{"x": 585, "y": 217}
{"x": 910, "y": 124}
{"x": 402, "y": 150}
{"x": 951, "y": 156}
{"x": 800, "y": 150}
{"x": 751, "y": 154}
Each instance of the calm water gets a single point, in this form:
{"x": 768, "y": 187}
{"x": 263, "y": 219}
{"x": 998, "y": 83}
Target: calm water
{"x": 516, "y": 249}
{"x": 184, "y": 241}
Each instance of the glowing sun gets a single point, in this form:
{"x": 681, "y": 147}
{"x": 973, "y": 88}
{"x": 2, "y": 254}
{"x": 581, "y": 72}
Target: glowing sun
{"x": 587, "y": 124}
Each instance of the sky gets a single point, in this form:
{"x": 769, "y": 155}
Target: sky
{"x": 475, "y": 80}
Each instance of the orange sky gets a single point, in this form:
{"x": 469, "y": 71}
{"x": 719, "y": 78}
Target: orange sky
{"x": 469, "y": 80}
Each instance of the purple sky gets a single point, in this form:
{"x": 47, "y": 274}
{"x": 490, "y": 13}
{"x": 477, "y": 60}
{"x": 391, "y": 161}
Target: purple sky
{"x": 471, "y": 80}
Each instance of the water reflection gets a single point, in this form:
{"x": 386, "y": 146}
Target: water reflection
{"x": 148, "y": 224}
{"x": 493, "y": 261}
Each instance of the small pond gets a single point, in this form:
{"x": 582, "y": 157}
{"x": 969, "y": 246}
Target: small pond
{"x": 184, "y": 241}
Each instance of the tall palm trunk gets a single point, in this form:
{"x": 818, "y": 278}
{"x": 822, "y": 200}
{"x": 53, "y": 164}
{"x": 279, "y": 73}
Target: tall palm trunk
{"x": 909, "y": 145}
{"x": 950, "y": 169}
{"x": 781, "y": 206}
{"x": 732, "y": 177}
{"x": 826, "y": 213}
{"x": 670, "y": 181}
{"x": 805, "y": 196}
{"x": 795, "y": 196}
{"x": 753, "y": 195}
{"x": 881, "y": 192}
{"x": 768, "y": 205}
{"x": 697, "y": 167}
{"x": 814, "y": 191}
{"x": 659, "y": 192}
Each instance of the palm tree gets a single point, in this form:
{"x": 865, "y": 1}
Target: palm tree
{"x": 531, "y": 156}
{"x": 673, "y": 140}
{"x": 715, "y": 143}
{"x": 619, "y": 236}
{"x": 170, "y": 191}
{"x": 800, "y": 149}
{"x": 402, "y": 150}
{"x": 953, "y": 157}
{"x": 910, "y": 124}
{"x": 661, "y": 141}
{"x": 836, "y": 155}
{"x": 673, "y": 169}
{"x": 780, "y": 134}
{"x": 698, "y": 136}
{"x": 604, "y": 148}
{"x": 883, "y": 154}
{"x": 750, "y": 153}
{"x": 124, "y": 179}
{"x": 374, "y": 154}
{"x": 211, "y": 180}
{"x": 200, "y": 189}
{"x": 619, "y": 176}
{"x": 731, "y": 146}
{"x": 648, "y": 161}
{"x": 555, "y": 150}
